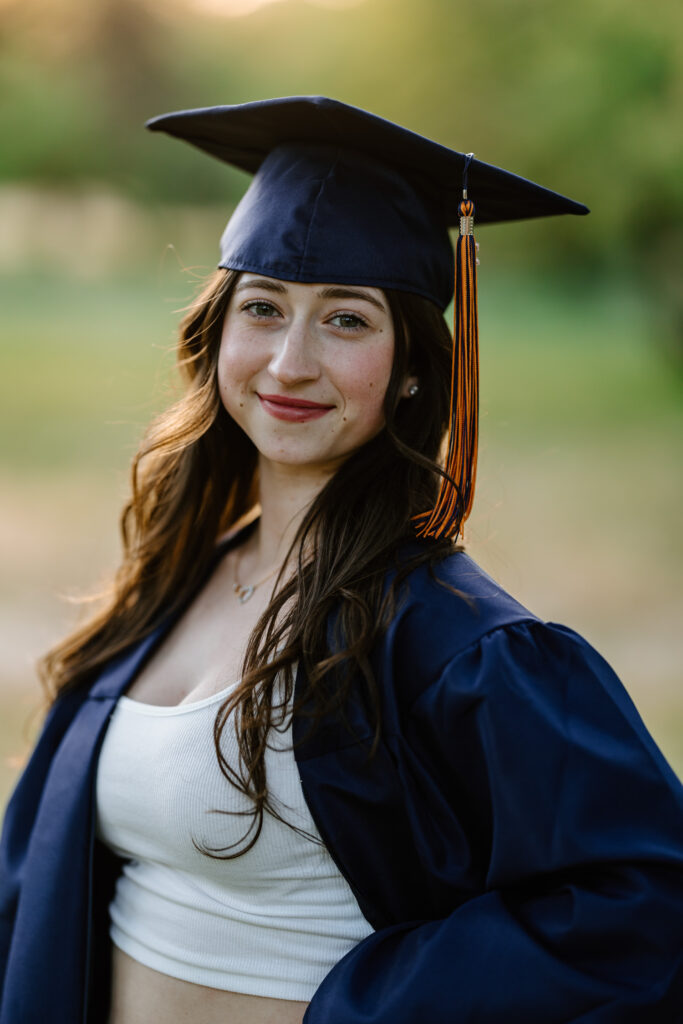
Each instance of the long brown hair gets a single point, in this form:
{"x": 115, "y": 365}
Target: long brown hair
{"x": 195, "y": 475}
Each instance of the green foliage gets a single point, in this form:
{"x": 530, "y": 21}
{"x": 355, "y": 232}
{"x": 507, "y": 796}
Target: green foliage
{"x": 565, "y": 91}
{"x": 581, "y": 97}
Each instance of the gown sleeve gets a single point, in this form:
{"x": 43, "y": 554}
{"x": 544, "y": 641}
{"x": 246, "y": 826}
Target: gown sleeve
{"x": 532, "y": 740}
{"x": 20, "y": 815}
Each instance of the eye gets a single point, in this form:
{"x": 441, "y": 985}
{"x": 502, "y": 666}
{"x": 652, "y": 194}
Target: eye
{"x": 260, "y": 309}
{"x": 348, "y": 321}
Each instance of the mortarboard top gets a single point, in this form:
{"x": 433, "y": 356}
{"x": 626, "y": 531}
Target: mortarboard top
{"x": 343, "y": 196}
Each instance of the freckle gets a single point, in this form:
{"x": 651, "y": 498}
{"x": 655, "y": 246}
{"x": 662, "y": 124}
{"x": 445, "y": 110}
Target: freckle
{"x": 371, "y": 384}
{"x": 241, "y": 405}
{"x": 344, "y": 419}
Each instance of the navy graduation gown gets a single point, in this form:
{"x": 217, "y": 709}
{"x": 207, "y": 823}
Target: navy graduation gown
{"x": 516, "y": 842}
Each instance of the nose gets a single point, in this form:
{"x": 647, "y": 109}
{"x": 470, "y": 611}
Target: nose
{"x": 293, "y": 359}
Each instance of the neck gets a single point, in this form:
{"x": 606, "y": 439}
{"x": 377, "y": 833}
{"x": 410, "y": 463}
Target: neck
{"x": 285, "y": 494}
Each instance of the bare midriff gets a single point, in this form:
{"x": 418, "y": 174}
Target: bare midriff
{"x": 140, "y": 995}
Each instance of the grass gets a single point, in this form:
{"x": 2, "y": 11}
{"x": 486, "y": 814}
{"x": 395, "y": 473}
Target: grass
{"x": 84, "y": 366}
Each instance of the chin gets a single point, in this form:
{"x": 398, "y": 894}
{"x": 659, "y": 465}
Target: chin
{"x": 323, "y": 461}
{"x": 327, "y": 464}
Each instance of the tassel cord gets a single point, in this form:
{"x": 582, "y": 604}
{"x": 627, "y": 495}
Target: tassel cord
{"x": 456, "y": 490}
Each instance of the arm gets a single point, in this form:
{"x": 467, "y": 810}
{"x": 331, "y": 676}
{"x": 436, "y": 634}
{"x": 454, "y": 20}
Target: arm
{"x": 580, "y": 913}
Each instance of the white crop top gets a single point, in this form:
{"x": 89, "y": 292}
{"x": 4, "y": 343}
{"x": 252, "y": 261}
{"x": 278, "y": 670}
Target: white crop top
{"x": 272, "y": 922}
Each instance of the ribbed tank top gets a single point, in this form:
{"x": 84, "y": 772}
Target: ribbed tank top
{"x": 272, "y": 922}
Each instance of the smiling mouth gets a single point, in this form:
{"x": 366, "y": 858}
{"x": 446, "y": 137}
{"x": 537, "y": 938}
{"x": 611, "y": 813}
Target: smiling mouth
{"x": 294, "y": 410}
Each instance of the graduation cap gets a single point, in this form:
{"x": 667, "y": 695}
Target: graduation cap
{"x": 341, "y": 196}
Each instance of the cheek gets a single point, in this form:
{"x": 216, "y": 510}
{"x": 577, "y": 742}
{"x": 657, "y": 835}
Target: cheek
{"x": 366, "y": 384}
{"x": 236, "y": 366}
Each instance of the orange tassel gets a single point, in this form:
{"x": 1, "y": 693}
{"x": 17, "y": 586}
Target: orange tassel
{"x": 456, "y": 494}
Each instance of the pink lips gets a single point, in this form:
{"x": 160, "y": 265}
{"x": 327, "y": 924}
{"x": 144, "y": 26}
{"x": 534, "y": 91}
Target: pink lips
{"x": 294, "y": 410}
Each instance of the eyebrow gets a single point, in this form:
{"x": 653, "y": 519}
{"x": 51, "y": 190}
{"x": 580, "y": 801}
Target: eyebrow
{"x": 350, "y": 293}
{"x": 333, "y": 292}
{"x": 261, "y": 282}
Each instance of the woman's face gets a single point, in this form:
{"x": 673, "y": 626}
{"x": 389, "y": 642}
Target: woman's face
{"x": 304, "y": 368}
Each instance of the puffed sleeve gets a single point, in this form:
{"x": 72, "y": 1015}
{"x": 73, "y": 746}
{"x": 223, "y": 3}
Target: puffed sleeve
{"x": 532, "y": 740}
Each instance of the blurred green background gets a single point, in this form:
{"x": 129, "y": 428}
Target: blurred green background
{"x": 105, "y": 232}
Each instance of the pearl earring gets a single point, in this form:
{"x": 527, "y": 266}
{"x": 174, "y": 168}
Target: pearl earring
{"x": 413, "y": 390}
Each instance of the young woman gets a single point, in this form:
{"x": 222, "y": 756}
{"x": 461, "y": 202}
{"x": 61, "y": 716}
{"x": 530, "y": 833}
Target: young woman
{"x": 309, "y": 763}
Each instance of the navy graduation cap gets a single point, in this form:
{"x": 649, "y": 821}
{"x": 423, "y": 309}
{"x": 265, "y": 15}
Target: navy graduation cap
{"x": 342, "y": 196}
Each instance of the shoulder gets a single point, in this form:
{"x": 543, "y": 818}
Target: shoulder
{"x": 482, "y": 678}
{"x": 458, "y": 593}
{"x": 442, "y": 610}
{"x": 459, "y": 632}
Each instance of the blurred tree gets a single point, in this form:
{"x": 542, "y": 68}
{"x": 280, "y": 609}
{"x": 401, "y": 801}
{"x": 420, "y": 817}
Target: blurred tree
{"x": 580, "y": 96}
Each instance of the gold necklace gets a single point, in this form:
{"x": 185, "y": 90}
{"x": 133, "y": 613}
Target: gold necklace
{"x": 245, "y": 592}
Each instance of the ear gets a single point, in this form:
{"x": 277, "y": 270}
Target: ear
{"x": 408, "y": 383}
